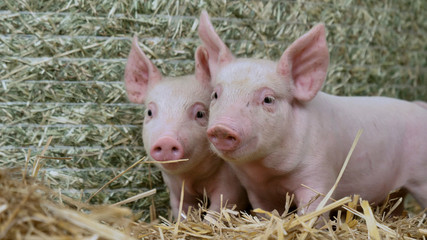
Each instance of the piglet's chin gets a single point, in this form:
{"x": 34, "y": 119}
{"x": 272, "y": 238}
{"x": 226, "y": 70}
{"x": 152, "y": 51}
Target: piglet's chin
{"x": 174, "y": 168}
{"x": 226, "y": 155}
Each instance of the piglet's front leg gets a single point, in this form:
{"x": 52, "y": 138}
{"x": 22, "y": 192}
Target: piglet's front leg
{"x": 225, "y": 200}
{"x": 188, "y": 201}
{"x": 307, "y": 201}
{"x": 226, "y": 195}
{"x": 229, "y": 200}
{"x": 232, "y": 192}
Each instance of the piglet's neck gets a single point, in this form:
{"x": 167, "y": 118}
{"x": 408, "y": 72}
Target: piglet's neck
{"x": 206, "y": 167}
{"x": 200, "y": 177}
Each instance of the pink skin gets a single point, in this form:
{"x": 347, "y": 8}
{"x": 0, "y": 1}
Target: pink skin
{"x": 421, "y": 103}
{"x": 271, "y": 123}
{"x": 175, "y": 123}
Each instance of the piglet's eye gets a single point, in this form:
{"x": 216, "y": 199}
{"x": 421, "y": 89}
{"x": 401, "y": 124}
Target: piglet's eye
{"x": 214, "y": 95}
{"x": 269, "y": 100}
{"x": 149, "y": 113}
{"x": 200, "y": 114}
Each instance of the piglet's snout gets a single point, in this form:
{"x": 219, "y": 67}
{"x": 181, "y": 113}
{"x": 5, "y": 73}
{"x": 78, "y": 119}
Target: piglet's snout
{"x": 223, "y": 138}
{"x": 167, "y": 148}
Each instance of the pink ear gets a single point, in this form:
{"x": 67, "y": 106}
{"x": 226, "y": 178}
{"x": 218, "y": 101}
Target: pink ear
{"x": 306, "y": 62}
{"x": 202, "y": 66}
{"x": 140, "y": 72}
{"x": 217, "y": 51}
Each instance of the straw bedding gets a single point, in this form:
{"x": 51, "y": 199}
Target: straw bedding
{"x": 30, "y": 210}
{"x": 62, "y": 64}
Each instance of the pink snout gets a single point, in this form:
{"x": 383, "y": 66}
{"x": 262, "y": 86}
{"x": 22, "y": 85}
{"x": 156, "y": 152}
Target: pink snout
{"x": 223, "y": 138}
{"x": 166, "y": 148}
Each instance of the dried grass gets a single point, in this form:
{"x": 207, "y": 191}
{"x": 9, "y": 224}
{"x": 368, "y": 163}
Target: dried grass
{"x": 29, "y": 210}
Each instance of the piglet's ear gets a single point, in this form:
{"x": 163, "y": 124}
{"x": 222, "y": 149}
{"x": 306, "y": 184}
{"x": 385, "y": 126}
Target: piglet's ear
{"x": 203, "y": 74}
{"x": 217, "y": 51}
{"x": 140, "y": 72}
{"x": 306, "y": 62}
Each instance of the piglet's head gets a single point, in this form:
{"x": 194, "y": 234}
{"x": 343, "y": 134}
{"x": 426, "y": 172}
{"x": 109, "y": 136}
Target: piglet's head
{"x": 176, "y": 111}
{"x": 254, "y": 100}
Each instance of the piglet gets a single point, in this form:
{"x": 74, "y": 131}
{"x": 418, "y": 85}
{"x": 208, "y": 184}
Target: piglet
{"x": 271, "y": 123}
{"x": 175, "y": 122}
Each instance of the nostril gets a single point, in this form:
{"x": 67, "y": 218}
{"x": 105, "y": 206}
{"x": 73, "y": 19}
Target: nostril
{"x": 157, "y": 149}
{"x": 212, "y": 136}
{"x": 231, "y": 138}
{"x": 175, "y": 149}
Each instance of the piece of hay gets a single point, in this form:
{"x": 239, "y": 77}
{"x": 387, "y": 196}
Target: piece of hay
{"x": 370, "y": 221}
